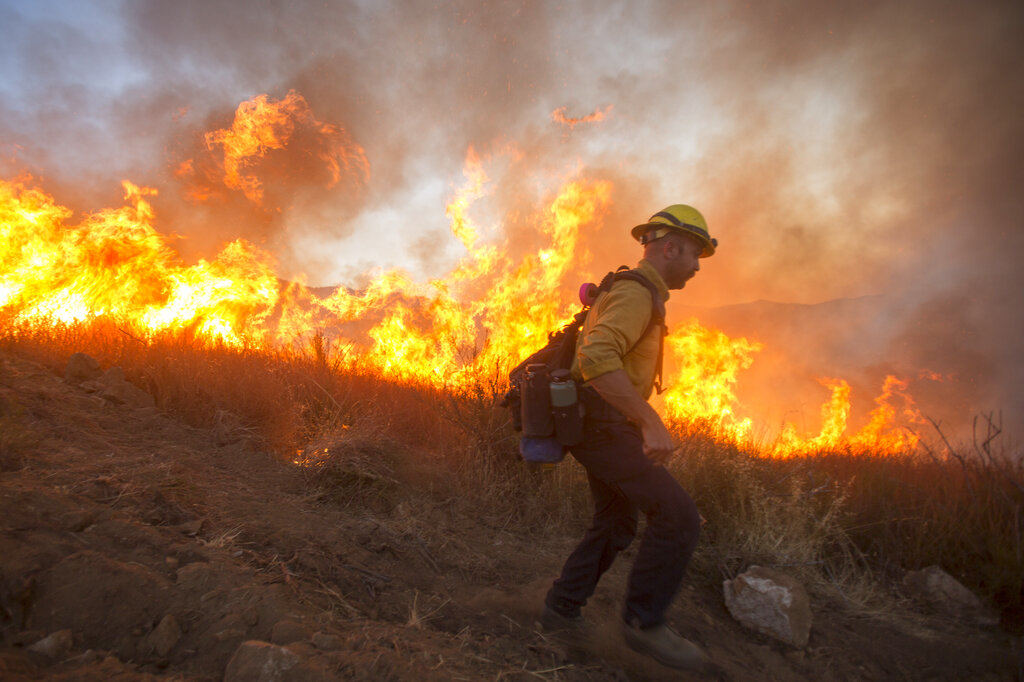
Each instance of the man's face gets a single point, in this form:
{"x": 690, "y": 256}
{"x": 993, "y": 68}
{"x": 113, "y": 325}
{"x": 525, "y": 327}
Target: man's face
{"x": 682, "y": 259}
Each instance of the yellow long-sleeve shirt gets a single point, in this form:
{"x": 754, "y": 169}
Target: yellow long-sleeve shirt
{"x": 608, "y": 340}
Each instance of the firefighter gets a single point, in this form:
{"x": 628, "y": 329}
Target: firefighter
{"x": 626, "y": 447}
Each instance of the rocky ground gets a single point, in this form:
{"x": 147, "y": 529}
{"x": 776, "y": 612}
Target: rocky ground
{"x": 133, "y": 547}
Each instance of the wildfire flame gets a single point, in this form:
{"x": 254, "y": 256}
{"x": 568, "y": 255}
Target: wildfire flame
{"x": 115, "y": 264}
{"x": 485, "y": 316}
{"x": 261, "y": 125}
{"x": 878, "y": 435}
{"x": 559, "y": 116}
{"x": 702, "y": 390}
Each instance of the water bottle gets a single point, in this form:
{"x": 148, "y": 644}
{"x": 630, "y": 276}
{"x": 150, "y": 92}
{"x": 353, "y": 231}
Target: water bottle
{"x": 563, "y": 388}
{"x": 566, "y": 408}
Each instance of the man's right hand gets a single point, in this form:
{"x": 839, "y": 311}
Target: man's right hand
{"x": 658, "y": 444}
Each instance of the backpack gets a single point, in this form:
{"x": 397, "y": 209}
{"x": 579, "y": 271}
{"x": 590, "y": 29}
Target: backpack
{"x": 531, "y": 378}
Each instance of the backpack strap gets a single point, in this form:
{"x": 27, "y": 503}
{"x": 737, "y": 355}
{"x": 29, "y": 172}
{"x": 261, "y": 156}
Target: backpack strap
{"x": 657, "y": 315}
{"x": 658, "y": 305}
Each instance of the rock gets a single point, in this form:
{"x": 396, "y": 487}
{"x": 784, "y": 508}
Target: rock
{"x": 288, "y": 631}
{"x": 940, "y": 591}
{"x": 229, "y": 634}
{"x": 77, "y": 520}
{"x": 326, "y": 642}
{"x": 304, "y": 650}
{"x": 216, "y": 594}
{"x": 230, "y": 621}
{"x": 251, "y": 616}
{"x": 81, "y": 367}
{"x": 164, "y": 636}
{"x": 256, "y": 661}
{"x": 117, "y": 390}
{"x": 191, "y": 528}
{"x": 114, "y": 375}
{"x": 772, "y": 603}
{"x": 91, "y": 386}
{"x": 56, "y": 644}
{"x": 196, "y": 576}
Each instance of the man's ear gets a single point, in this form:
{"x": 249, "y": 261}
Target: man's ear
{"x": 670, "y": 244}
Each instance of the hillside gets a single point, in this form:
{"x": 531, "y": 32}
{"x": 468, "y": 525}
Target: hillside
{"x": 162, "y": 548}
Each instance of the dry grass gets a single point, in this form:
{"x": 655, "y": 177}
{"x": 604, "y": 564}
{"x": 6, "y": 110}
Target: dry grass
{"x": 849, "y": 519}
{"x": 842, "y": 520}
{"x": 965, "y": 514}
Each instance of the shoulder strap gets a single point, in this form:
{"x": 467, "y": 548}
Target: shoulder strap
{"x": 657, "y": 305}
{"x": 657, "y": 314}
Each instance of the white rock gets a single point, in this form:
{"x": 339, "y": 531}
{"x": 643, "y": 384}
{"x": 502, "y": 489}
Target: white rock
{"x": 771, "y": 603}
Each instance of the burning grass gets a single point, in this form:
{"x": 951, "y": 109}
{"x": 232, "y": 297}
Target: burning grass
{"x": 849, "y": 521}
{"x": 455, "y": 332}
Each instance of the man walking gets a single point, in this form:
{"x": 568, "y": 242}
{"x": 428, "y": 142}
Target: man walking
{"x": 626, "y": 445}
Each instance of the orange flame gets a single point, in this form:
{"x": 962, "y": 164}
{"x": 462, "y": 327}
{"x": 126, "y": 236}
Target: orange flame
{"x": 558, "y": 116}
{"x": 881, "y": 435}
{"x": 261, "y": 125}
{"x": 462, "y": 226}
{"x": 434, "y": 334}
{"x": 115, "y": 264}
{"x": 702, "y": 390}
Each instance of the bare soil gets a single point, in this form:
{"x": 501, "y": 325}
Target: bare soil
{"x": 163, "y": 548}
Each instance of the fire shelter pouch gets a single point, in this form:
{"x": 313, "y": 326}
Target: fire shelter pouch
{"x": 569, "y": 423}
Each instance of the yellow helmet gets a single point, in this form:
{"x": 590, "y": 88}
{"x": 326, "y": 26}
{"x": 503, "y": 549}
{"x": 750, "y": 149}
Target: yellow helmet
{"x": 681, "y": 218}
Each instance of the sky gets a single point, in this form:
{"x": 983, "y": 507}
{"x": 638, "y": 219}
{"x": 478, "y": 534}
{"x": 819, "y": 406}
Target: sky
{"x": 837, "y": 150}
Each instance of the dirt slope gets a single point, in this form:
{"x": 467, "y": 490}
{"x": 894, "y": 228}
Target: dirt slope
{"x": 162, "y": 549}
